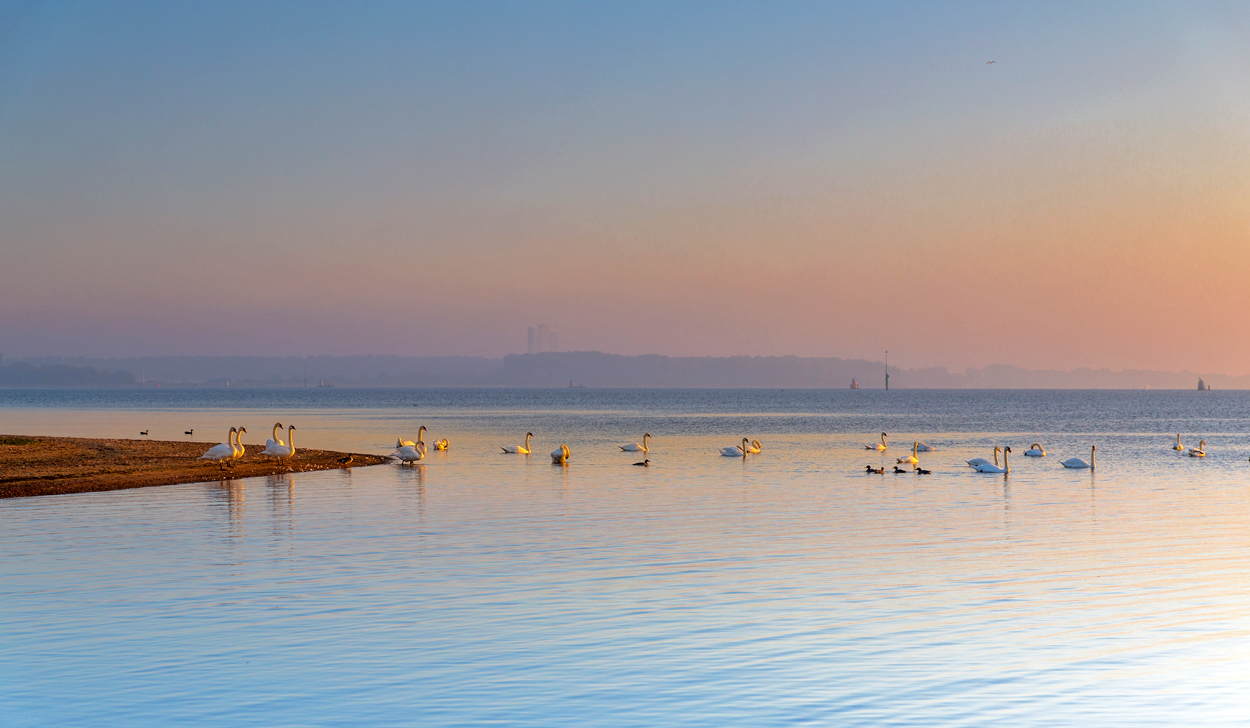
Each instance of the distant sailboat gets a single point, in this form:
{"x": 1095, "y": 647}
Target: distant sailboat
{"x": 854, "y": 384}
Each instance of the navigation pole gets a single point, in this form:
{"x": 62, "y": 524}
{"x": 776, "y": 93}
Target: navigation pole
{"x": 887, "y": 370}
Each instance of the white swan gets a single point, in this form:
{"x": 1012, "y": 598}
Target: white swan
{"x": 911, "y": 459}
{"x": 925, "y": 447}
{"x": 737, "y": 451}
{"x": 988, "y": 468}
{"x": 1200, "y": 451}
{"x": 222, "y": 451}
{"x": 283, "y": 452}
{"x": 238, "y": 444}
{"x": 756, "y": 448}
{"x": 441, "y": 444}
{"x": 409, "y": 443}
{"x": 560, "y": 455}
{"x": 635, "y": 447}
{"x": 877, "y": 445}
{"x": 275, "y": 440}
{"x": 519, "y": 449}
{"x": 1036, "y": 451}
{"x": 976, "y": 462}
{"x": 1178, "y": 445}
{"x": 1079, "y": 463}
{"x": 409, "y": 453}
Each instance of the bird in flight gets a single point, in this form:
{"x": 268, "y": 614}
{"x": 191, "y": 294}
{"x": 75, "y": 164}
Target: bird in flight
{"x": 988, "y": 62}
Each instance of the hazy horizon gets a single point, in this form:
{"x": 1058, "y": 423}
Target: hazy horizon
{"x": 702, "y": 179}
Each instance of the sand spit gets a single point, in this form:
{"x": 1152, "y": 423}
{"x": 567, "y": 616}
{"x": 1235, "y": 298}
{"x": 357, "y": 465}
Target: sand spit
{"x": 31, "y": 465}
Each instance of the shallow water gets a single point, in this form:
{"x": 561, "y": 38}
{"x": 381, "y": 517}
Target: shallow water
{"x": 787, "y": 588}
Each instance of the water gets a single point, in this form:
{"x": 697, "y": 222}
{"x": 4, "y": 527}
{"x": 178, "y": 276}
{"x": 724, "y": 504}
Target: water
{"x": 787, "y": 588}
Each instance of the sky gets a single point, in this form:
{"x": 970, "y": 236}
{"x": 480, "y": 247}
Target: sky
{"x": 690, "y": 179}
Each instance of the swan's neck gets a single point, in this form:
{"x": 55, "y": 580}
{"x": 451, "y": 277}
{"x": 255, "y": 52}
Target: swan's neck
{"x": 645, "y": 437}
{"x": 527, "y": 441}
{"x": 1006, "y": 461}
{"x": 275, "y": 433}
{"x": 290, "y": 439}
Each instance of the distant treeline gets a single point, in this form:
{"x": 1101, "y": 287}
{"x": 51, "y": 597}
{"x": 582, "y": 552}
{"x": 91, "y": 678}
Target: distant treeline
{"x": 588, "y": 368}
{"x": 23, "y": 374}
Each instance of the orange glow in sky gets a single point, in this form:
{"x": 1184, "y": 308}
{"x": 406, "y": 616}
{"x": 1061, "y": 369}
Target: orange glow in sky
{"x": 689, "y": 181}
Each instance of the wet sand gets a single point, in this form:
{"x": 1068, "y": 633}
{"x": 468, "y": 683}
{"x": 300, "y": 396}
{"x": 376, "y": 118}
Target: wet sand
{"x": 32, "y": 465}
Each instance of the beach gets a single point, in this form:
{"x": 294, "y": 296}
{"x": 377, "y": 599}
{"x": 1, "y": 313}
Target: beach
{"x": 32, "y": 465}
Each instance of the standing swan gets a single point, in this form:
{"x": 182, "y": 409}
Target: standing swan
{"x": 409, "y": 453}
{"x": 283, "y": 452}
{"x": 635, "y": 447}
{"x": 238, "y": 444}
{"x": 911, "y": 459}
{"x": 737, "y": 451}
{"x": 560, "y": 456}
{"x": 1036, "y": 451}
{"x": 1200, "y": 451}
{"x": 221, "y": 452}
{"x": 519, "y": 449}
{"x": 1006, "y": 468}
{"x": 982, "y": 461}
{"x": 1178, "y": 445}
{"x": 877, "y": 445}
{"x": 1079, "y": 463}
{"x": 275, "y": 440}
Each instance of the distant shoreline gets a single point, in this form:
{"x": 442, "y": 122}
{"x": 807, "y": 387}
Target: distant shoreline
{"x": 36, "y": 465}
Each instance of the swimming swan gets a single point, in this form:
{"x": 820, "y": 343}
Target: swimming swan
{"x": 275, "y": 440}
{"x": 988, "y": 468}
{"x": 982, "y": 461}
{"x": 1036, "y": 451}
{"x": 911, "y": 459}
{"x": 221, "y": 452}
{"x": 519, "y": 449}
{"x": 635, "y": 447}
{"x": 1178, "y": 445}
{"x": 1079, "y": 463}
{"x": 441, "y": 444}
{"x": 756, "y": 448}
{"x": 560, "y": 456}
{"x": 1200, "y": 451}
{"x": 409, "y": 443}
{"x": 737, "y": 451}
{"x": 877, "y": 445}
{"x": 283, "y": 452}
{"x": 925, "y": 447}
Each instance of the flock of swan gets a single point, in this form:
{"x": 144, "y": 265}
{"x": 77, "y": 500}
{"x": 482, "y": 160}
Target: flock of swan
{"x": 981, "y": 465}
{"x": 411, "y": 452}
{"x": 224, "y": 454}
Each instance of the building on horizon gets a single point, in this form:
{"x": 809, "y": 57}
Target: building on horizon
{"x": 543, "y": 339}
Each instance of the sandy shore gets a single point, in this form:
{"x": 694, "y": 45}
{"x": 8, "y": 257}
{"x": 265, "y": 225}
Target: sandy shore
{"x": 51, "y": 465}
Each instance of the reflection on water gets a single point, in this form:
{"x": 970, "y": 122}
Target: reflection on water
{"x": 789, "y": 587}
{"x": 230, "y": 496}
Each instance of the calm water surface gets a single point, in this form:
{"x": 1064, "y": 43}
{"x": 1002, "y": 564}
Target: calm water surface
{"x": 786, "y": 588}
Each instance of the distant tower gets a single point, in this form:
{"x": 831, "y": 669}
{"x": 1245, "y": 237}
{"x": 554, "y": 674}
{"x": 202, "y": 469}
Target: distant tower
{"x": 543, "y": 339}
